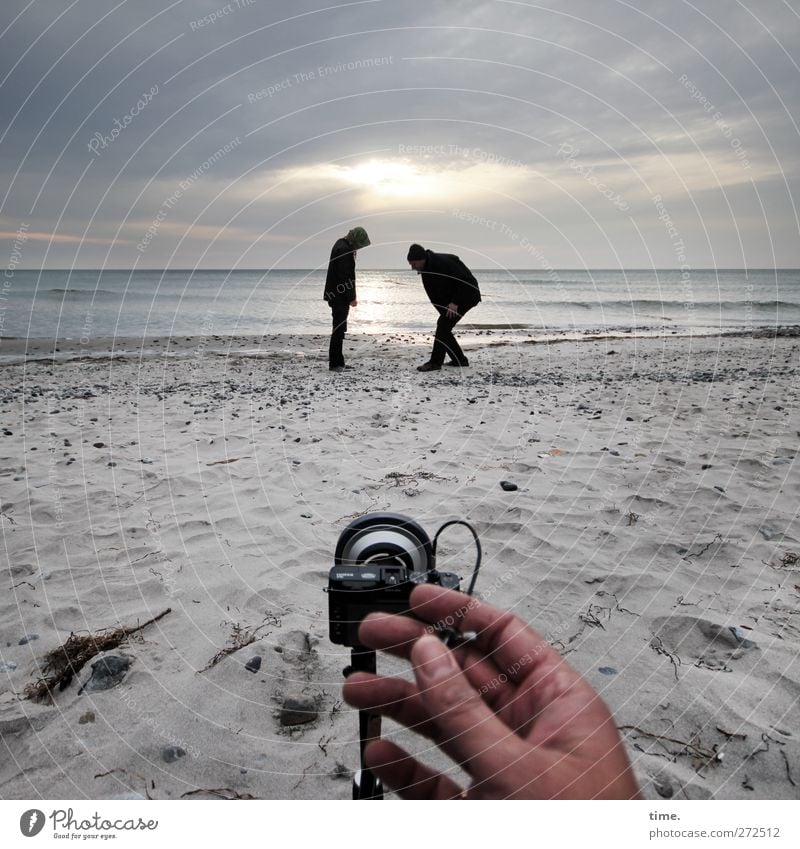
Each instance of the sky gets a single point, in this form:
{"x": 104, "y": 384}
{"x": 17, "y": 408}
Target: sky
{"x": 252, "y": 134}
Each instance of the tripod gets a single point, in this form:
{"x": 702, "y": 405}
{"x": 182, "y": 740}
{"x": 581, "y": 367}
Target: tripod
{"x": 365, "y": 784}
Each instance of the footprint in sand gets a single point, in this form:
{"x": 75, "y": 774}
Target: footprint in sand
{"x": 710, "y": 645}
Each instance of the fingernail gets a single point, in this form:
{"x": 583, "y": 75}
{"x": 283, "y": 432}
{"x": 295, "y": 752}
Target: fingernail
{"x": 432, "y": 659}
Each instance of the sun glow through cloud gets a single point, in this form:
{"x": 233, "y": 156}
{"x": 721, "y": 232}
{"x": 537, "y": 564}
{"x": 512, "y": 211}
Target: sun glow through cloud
{"x": 384, "y": 181}
{"x": 386, "y": 178}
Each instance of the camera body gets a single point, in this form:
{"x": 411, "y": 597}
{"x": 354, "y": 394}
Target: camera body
{"x": 379, "y": 559}
{"x": 353, "y": 593}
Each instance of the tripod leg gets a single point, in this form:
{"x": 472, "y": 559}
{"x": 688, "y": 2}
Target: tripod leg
{"x": 365, "y": 784}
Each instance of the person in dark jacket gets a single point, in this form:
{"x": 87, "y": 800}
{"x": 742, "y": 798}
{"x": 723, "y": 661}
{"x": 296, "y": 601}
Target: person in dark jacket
{"x": 453, "y": 291}
{"x": 340, "y": 291}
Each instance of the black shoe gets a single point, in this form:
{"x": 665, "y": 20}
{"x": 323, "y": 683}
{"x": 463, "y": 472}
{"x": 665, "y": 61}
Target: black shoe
{"x": 428, "y": 367}
{"x": 455, "y": 363}
{"x": 341, "y": 368}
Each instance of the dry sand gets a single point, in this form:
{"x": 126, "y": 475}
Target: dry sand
{"x": 654, "y": 537}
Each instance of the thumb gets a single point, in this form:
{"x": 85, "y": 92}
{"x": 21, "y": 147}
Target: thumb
{"x": 469, "y": 731}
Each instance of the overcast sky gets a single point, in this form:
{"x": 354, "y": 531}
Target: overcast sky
{"x": 565, "y": 133}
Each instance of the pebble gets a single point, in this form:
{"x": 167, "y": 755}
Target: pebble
{"x": 172, "y": 754}
{"x": 741, "y": 637}
{"x": 767, "y": 532}
{"x": 8, "y": 667}
{"x": 254, "y": 664}
{"x": 147, "y": 461}
{"x": 607, "y": 670}
{"x": 99, "y": 445}
{"x": 29, "y": 638}
{"x": 509, "y": 486}
{"x": 107, "y": 673}
{"x": 298, "y": 710}
{"x": 87, "y": 717}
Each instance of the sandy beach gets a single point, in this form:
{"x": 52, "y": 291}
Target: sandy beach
{"x": 653, "y": 537}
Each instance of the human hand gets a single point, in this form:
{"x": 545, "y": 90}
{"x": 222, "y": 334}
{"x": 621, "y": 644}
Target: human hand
{"x": 452, "y": 310}
{"x": 354, "y": 303}
{"x": 507, "y": 708}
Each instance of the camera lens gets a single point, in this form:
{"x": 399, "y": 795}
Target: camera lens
{"x": 385, "y": 539}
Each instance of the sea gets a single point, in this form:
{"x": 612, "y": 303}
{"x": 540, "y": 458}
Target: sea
{"x": 82, "y": 305}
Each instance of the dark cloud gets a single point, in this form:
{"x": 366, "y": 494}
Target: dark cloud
{"x": 224, "y": 118}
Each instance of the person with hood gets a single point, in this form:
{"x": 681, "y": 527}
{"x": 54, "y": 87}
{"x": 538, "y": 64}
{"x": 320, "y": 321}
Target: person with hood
{"x": 453, "y": 290}
{"x": 340, "y": 291}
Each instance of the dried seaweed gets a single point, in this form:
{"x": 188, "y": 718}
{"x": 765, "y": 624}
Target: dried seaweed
{"x": 63, "y": 663}
{"x": 134, "y": 775}
{"x": 704, "y": 549}
{"x": 701, "y": 755}
{"x": 404, "y": 478}
{"x": 657, "y": 644}
{"x": 242, "y": 636}
{"x": 229, "y": 460}
{"x": 788, "y": 770}
{"x": 410, "y": 481}
{"x": 220, "y": 792}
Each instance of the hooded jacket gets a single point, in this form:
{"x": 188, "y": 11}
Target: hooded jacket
{"x": 448, "y": 281}
{"x": 340, "y": 282}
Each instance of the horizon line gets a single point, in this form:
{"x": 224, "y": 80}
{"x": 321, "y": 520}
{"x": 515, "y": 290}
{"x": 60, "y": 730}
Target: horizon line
{"x": 384, "y": 268}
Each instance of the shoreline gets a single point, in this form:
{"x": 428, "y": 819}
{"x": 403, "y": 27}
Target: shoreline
{"x": 19, "y": 351}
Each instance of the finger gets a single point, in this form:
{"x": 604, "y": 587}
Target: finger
{"x": 397, "y": 634}
{"x": 470, "y": 732}
{"x": 391, "y": 697}
{"x": 513, "y": 646}
{"x": 407, "y": 776}
{"x": 390, "y": 633}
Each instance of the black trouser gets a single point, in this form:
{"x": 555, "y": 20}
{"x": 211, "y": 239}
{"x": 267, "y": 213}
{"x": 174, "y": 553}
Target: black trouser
{"x": 444, "y": 342}
{"x": 339, "y": 312}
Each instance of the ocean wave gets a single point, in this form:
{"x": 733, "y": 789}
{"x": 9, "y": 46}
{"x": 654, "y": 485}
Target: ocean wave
{"x": 506, "y": 325}
{"x": 71, "y": 291}
{"x": 670, "y": 305}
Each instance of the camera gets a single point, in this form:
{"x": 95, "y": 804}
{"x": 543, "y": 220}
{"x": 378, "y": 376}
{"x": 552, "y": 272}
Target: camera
{"x": 379, "y": 559}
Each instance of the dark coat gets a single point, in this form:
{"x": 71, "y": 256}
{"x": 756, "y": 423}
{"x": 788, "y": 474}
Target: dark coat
{"x": 340, "y": 282}
{"x": 448, "y": 281}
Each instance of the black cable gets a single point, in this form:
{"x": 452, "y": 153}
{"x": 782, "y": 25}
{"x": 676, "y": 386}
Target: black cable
{"x": 477, "y": 547}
